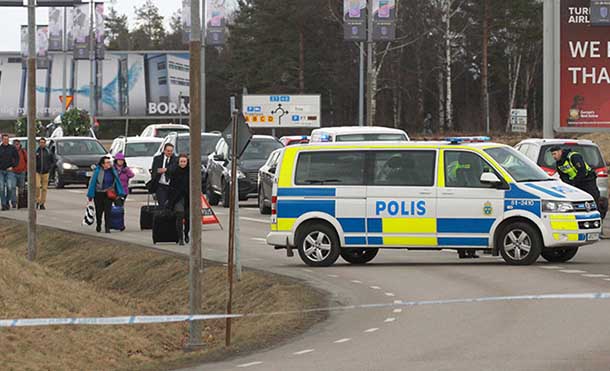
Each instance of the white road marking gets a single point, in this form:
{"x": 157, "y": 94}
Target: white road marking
{"x": 303, "y": 352}
{"x": 371, "y": 330}
{"x": 550, "y": 267}
{"x": 263, "y": 221}
{"x": 356, "y": 281}
{"x": 332, "y": 276}
{"x": 77, "y": 192}
{"x": 397, "y": 310}
{"x": 376, "y": 287}
{"x": 389, "y": 294}
{"x": 397, "y": 301}
{"x": 606, "y": 279}
{"x": 572, "y": 271}
{"x": 388, "y": 320}
{"x": 307, "y": 270}
{"x": 595, "y": 275}
{"x": 249, "y": 364}
{"x": 342, "y": 341}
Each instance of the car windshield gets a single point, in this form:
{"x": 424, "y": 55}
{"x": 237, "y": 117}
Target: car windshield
{"x": 590, "y": 153}
{"x": 208, "y": 144}
{"x": 517, "y": 165}
{"x": 80, "y": 147}
{"x": 371, "y": 138}
{"x": 162, "y": 133}
{"x": 260, "y": 149}
{"x": 144, "y": 149}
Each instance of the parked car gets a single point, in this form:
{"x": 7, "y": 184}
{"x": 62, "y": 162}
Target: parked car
{"x": 182, "y": 144}
{"x": 139, "y": 152}
{"x": 358, "y": 134}
{"x": 75, "y": 155}
{"x": 538, "y": 150}
{"x": 253, "y": 158}
{"x": 163, "y": 130}
{"x": 266, "y": 177}
{"x": 295, "y": 139}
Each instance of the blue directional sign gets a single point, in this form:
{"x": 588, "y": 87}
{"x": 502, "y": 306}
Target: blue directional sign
{"x": 296, "y": 118}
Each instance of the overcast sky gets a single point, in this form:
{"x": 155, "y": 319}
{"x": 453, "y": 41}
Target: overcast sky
{"x": 12, "y": 18}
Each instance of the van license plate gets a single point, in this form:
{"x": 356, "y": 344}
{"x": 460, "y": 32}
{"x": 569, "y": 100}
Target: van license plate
{"x": 592, "y": 236}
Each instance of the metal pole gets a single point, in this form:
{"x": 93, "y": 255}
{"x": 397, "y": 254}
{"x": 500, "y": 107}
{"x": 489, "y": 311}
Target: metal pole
{"x": 203, "y": 76}
{"x": 487, "y": 119}
{"x": 64, "y": 41}
{"x": 549, "y": 110}
{"x": 361, "y": 87}
{"x": 370, "y": 69}
{"x": 234, "y": 199}
{"x": 195, "y": 261}
{"x": 32, "y": 248}
{"x": 92, "y": 75}
{"x": 237, "y": 227}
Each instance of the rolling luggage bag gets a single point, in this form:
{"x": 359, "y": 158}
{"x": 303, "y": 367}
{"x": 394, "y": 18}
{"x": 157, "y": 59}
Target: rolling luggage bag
{"x": 22, "y": 200}
{"x": 147, "y": 213}
{"x": 117, "y": 218}
{"x": 164, "y": 227}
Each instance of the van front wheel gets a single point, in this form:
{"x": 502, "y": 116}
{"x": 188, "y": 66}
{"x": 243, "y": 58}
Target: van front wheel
{"x": 358, "y": 256}
{"x": 318, "y": 245}
{"x": 520, "y": 244}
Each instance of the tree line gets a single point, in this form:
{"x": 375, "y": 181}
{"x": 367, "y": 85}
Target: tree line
{"x": 452, "y": 61}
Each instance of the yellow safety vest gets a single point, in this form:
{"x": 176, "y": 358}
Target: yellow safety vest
{"x": 569, "y": 169}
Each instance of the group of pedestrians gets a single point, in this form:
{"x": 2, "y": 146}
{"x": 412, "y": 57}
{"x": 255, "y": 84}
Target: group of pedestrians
{"x": 13, "y": 173}
{"x": 109, "y": 185}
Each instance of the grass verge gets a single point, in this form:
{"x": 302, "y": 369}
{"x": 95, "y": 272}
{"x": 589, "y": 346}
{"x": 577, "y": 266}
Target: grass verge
{"x": 80, "y": 276}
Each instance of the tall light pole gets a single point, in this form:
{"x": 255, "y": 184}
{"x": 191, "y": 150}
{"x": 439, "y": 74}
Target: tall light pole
{"x": 32, "y": 249}
{"x": 92, "y": 52}
{"x": 195, "y": 262}
{"x": 203, "y": 76}
{"x": 361, "y": 86}
{"x": 370, "y": 68}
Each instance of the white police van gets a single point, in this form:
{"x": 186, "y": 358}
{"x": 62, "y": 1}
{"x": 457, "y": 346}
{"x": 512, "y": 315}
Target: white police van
{"x": 469, "y": 195}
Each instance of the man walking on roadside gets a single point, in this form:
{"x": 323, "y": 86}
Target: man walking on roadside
{"x": 45, "y": 161}
{"x": 162, "y": 167}
{"x": 9, "y": 159}
{"x": 20, "y": 171}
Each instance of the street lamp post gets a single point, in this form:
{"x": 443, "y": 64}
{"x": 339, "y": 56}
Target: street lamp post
{"x": 31, "y": 87}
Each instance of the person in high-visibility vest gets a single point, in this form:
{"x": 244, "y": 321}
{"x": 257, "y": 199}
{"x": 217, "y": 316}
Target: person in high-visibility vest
{"x": 574, "y": 170}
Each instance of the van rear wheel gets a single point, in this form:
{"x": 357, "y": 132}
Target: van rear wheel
{"x": 519, "y": 244}
{"x": 318, "y": 245}
{"x": 358, "y": 256}
{"x": 560, "y": 255}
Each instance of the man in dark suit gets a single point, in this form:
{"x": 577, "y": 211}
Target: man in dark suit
{"x": 162, "y": 167}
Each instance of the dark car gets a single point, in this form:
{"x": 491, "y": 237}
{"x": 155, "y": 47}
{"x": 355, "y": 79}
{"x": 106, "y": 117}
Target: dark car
{"x": 266, "y": 178}
{"x": 253, "y": 158}
{"x": 182, "y": 144}
{"x": 75, "y": 155}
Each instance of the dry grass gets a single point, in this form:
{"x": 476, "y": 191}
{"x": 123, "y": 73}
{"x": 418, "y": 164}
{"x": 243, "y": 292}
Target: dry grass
{"x": 78, "y": 276}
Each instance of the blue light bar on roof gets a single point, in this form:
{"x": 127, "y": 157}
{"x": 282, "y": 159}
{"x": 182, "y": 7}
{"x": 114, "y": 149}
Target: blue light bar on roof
{"x": 459, "y": 140}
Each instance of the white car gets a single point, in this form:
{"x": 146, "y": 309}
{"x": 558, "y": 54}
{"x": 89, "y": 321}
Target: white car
{"x": 139, "y": 152}
{"x": 163, "y": 130}
{"x": 358, "y": 134}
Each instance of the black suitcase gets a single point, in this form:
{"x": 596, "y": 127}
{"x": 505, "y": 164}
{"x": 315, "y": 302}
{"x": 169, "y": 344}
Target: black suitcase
{"x": 22, "y": 200}
{"x": 147, "y": 214}
{"x": 164, "y": 227}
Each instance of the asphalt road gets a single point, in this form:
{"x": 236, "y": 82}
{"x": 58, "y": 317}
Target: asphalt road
{"x": 549, "y": 335}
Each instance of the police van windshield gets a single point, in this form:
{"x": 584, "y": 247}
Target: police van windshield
{"x": 517, "y": 165}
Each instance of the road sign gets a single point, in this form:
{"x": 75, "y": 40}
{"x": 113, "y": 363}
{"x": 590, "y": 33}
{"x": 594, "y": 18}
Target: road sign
{"x": 518, "y": 119}
{"x": 282, "y": 111}
{"x": 69, "y": 100}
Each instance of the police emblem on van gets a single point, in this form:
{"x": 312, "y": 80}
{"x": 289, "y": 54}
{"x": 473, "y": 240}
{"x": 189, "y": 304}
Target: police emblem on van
{"x": 488, "y": 208}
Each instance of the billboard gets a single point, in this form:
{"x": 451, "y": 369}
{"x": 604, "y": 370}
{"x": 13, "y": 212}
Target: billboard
{"x": 354, "y": 20}
{"x": 80, "y": 31}
{"x": 216, "y": 22}
{"x": 42, "y": 46}
{"x": 584, "y": 51}
{"x": 132, "y": 84}
{"x": 282, "y": 111}
{"x": 100, "y": 35}
{"x": 56, "y": 28}
{"x": 384, "y": 20}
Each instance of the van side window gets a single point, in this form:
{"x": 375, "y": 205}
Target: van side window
{"x": 464, "y": 170}
{"x": 404, "y": 168}
{"x": 331, "y": 168}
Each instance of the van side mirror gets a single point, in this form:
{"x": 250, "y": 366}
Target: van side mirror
{"x": 273, "y": 169}
{"x": 219, "y": 157}
{"x": 490, "y": 178}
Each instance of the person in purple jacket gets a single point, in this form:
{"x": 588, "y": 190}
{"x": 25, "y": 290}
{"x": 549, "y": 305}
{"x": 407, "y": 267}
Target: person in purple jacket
{"x": 125, "y": 173}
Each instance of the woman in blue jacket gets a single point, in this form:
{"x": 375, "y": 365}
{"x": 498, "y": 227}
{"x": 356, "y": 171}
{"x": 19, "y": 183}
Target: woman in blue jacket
{"x": 104, "y": 187}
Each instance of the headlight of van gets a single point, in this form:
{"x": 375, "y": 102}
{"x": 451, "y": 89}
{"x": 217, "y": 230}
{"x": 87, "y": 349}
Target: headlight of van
{"x": 68, "y": 166}
{"x": 557, "y": 207}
